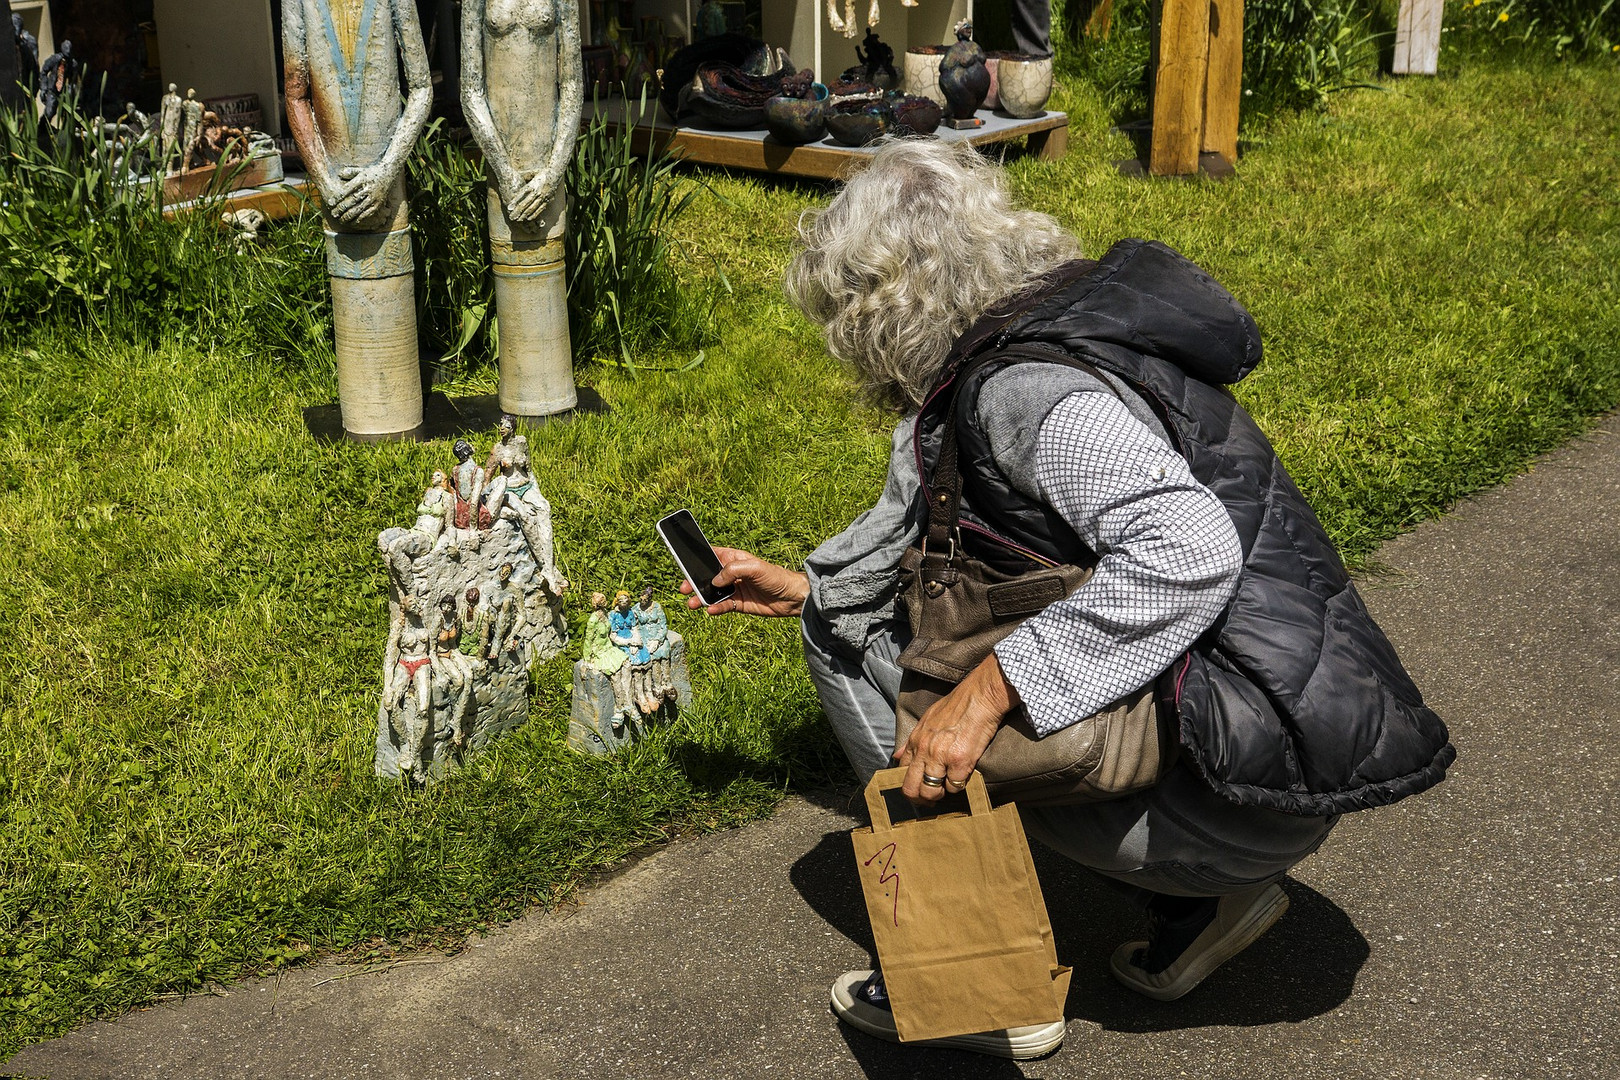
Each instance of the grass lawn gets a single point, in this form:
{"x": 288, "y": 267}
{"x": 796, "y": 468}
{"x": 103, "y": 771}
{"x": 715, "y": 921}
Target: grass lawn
{"x": 189, "y": 682}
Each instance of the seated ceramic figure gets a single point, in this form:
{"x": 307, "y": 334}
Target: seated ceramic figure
{"x": 605, "y": 656}
{"x": 658, "y": 639}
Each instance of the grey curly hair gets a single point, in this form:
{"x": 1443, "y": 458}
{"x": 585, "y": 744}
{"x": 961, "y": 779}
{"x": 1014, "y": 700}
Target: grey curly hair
{"x": 914, "y": 249}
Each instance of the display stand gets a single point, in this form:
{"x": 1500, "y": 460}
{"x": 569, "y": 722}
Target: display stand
{"x": 1048, "y": 136}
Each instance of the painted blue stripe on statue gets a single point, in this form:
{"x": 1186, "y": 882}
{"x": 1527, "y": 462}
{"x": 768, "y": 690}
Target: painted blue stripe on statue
{"x": 351, "y": 71}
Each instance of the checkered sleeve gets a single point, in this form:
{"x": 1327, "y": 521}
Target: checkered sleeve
{"x": 1169, "y": 563}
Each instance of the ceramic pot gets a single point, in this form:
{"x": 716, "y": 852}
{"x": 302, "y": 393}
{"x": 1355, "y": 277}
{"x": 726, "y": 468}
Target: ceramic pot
{"x": 915, "y": 115}
{"x": 922, "y": 72}
{"x": 796, "y": 121}
{"x": 1023, "y": 84}
{"x": 858, "y": 123}
{"x": 991, "y": 98}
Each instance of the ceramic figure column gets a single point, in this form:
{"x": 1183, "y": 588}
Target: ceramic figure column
{"x": 344, "y": 62}
{"x": 522, "y": 90}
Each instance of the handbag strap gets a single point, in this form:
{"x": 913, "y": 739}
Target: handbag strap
{"x": 945, "y": 498}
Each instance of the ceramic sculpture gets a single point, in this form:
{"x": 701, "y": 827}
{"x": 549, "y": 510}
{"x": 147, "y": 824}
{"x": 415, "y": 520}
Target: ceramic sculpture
{"x": 633, "y": 673}
{"x": 344, "y": 65}
{"x": 963, "y": 79}
{"x": 522, "y": 90}
{"x": 474, "y": 598}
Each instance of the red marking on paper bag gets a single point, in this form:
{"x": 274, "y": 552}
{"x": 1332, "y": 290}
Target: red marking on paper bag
{"x": 884, "y": 877}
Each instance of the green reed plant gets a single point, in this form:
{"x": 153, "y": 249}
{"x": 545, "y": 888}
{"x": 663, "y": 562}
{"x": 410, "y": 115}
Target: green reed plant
{"x": 84, "y": 243}
{"x": 455, "y": 295}
{"x": 624, "y": 296}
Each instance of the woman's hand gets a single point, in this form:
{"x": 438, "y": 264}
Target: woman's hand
{"x": 952, "y": 735}
{"x": 761, "y": 588}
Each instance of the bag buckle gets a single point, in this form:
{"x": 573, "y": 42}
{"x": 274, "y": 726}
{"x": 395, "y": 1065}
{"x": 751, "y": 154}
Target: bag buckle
{"x": 950, "y": 557}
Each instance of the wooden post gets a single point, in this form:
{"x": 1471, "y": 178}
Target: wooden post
{"x": 1223, "y": 88}
{"x": 1178, "y": 87}
{"x": 1417, "y": 37}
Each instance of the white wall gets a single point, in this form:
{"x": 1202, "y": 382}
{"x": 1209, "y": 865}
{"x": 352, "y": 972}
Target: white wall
{"x": 221, "y": 47}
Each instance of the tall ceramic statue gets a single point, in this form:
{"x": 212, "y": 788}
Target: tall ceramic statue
{"x": 522, "y": 88}
{"x": 344, "y": 61}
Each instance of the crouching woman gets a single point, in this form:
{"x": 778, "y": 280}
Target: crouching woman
{"x": 1090, "y": 426}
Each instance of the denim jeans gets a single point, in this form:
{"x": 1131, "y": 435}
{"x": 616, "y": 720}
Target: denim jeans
{"x": 1178, "y": 837}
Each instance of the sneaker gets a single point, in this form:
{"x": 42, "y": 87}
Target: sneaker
{"x": 1186, "y": 947}
{"x": 860, "y": 1000}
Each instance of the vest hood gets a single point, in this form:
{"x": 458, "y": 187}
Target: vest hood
{"x": 1144, "y": 297}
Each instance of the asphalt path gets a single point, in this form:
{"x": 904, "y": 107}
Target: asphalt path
{"x": 1472, "y": 932}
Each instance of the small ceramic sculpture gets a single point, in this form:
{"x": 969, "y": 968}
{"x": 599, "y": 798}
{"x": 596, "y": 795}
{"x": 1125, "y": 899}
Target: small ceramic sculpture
{"x": 345, "y": 63}
{"x": 58, "y": 80}
{"x": 876, "y": 65}
{"x": 633, "y": 673}
{"x": 475, "y": 598}
{"x": 963, "y": 78}
{"x": 27, "y": 55}
{"x": 522, "y": 90}
{"x": 169, "y": 117}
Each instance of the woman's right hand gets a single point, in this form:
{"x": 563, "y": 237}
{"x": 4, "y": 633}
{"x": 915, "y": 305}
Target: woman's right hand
{"x": 760, "y": 588}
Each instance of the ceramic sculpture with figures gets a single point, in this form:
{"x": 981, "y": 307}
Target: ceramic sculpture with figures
{"x": 474, "y": 599}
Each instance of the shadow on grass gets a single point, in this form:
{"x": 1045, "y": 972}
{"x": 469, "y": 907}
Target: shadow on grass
{"x": 1305, "y": 966}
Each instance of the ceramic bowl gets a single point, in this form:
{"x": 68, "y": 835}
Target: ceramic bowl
{"x": 858, "y": 123}
{"x": 915, "y": 115}
{"x": 1023, "y": 84}
{"x": 796, "y": 121}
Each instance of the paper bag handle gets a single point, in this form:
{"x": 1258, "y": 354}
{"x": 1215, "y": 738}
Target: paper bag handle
{"x": 889, "y": 779}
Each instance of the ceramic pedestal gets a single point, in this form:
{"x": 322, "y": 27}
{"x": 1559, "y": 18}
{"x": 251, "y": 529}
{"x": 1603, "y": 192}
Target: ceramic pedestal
{"x": 531, "y": 298}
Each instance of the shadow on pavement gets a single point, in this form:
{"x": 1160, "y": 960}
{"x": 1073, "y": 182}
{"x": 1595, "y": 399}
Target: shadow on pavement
{"x": 1304, "y": 967}
{"x": 881, "y": 1060}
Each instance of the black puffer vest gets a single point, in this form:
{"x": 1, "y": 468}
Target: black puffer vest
{"x": 1294, "y": 700}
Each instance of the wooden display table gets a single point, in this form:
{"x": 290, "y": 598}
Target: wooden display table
{"x": 1048, "y": 136}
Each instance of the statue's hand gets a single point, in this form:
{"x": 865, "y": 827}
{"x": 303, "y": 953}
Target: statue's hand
{"x": 361, "y": 195}
{"x": 532, "y": 199}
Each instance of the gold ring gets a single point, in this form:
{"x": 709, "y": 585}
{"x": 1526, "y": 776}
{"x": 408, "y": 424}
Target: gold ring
{"x": 955, "y": 785}
{"x": 933, "y": 781}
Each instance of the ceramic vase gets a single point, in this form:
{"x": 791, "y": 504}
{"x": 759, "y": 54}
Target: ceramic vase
{"x": 922, "y": 73}
{"x": 1023, "y": 84}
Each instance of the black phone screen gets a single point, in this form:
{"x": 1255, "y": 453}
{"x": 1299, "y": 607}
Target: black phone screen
{"x": 693, "y": 555}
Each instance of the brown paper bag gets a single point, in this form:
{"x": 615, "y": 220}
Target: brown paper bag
{"x": 961, "y": 927}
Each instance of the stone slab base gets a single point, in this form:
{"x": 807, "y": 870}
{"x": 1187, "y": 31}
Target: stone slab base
{"x": 591, "y": 719}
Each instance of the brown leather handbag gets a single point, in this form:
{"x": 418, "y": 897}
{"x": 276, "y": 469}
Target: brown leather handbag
{"x": 960, "y": 608}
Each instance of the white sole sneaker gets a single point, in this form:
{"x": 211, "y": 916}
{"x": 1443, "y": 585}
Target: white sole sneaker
{"x": 1020, "y": 1043}
{"x": 1239, "y": 921}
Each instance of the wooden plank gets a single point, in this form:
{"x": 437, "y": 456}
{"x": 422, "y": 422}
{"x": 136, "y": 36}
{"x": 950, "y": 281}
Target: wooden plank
{"x": 1417, "y": 37}
{"x": 1178, "y": 87}
{"x": 1223, "y": 86}
{"x": 278, "y": 201}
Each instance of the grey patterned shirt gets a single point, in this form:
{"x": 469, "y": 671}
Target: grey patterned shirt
{"x": 1169, "y": 554}
{"x": 1169, "y": 563}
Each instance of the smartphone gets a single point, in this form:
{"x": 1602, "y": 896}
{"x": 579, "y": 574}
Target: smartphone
{"x": 693, "y": 555}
